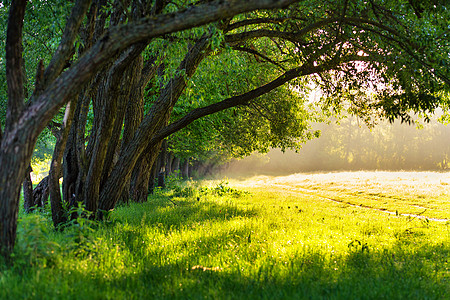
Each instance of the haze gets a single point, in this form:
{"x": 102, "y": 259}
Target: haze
{"x": 351, "y": 146}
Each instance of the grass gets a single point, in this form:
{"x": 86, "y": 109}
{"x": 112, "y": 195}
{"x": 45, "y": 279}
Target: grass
{"x": 212, "y": 240}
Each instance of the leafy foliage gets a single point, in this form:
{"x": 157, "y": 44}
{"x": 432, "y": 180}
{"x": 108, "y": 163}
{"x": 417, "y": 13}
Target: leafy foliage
{"x": 35, "y": 247}
{"x": 43, "y": 27}
{"x": 79, "y": 231}
{"x": 393, "y": 74}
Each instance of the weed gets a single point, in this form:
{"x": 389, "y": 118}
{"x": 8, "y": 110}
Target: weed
{"x": 34, "y": 247}
{"x": 174, "y": 179}
{"x": 356, "y": 246}
{"x": 223, "y": 188}
{"x": 79, "y": 231}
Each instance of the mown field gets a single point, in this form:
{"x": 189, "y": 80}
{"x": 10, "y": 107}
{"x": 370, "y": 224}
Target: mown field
{"x": 318, "y": 236}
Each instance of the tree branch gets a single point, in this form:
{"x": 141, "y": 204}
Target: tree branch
{"x": 257, "y": 54}
{"x": 244, "y": 36}
{"x": 228, "y": 103}
{"x": 255, "y": 22}
{"x": 148, "y": 71}
{"x": 119, "y": 38}
{"x": 294, "y": 37}
{"x": 243, "y": 99}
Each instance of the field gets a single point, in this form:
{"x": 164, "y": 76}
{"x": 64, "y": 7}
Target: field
{"x": 362, "y": 235}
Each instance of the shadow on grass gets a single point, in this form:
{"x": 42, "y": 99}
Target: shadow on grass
{"x": 160, "y": 212}
{"x": 307, "y": 276}
{"x": 363, "y": 273}
{"x": 186, "y": 218}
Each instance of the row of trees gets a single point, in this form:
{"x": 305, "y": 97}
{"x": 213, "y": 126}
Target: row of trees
{"x": 113, "y": 78}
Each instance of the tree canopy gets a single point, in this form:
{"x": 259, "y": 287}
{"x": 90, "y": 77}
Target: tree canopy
{"x": 113, "y": 79}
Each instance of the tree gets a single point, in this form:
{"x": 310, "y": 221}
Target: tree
{"x": 112, "y": 57}
{"x": 23, "y": 124}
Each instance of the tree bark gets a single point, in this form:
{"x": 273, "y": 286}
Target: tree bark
{"x": 106, "y": 139}
{"x": 14, "y": 63}
{"x": 185, "y": 169}
{"x": 135, "y": 111}
{"x": 41, "y": 193}
{"x": 13, "y": 161}
{"x": 152, "y": 177}
{"x": 58, "y": 214}
{"x": 157, "y": 118}
{"x": 28, "y": 191}
{"x": 129, "y": 91}
{"x": 176, "y": 166}
{"x": 140, "y": 182}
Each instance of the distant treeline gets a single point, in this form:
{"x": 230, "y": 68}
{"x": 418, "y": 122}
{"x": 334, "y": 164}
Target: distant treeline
{"x": 351, "y": 145}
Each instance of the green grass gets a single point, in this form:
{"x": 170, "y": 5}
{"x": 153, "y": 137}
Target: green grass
{"x": 220, "y": 243}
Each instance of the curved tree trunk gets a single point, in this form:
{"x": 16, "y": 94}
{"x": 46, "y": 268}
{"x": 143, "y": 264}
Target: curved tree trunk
{"x": 58, "y": 214}
{"x": 15, "y": 151}
{"x": 24, "y": 124}
{"x": 156, "y": 119}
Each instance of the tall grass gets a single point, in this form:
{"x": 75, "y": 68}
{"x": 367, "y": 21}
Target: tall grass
{"x": 213, "y": 241}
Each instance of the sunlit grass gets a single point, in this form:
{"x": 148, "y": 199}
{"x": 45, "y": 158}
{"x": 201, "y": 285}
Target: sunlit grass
{"x": 40, "y": 168}
{"x": 219, "y": 243}
{"x": 420, "y": 193}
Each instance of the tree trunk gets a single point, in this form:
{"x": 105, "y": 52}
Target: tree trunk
{"x": 71, "y": 168}
{"x": 156, "y": 119}
{"x": 152, "y": 177}
{"x": 28, "y": 191}
{"x": 140, "y": 182}
{"x": 130, "y": 91}
{"x": 12, "y": 162}
{"x": 169, "y": 162}
{"x": 54, "y": 189}
{"x": 176, "y": 166}
{"x": 135, "y": 110}
{"x": 16, "y": 150}
{"x": 185, "y": 169}
{"x": 102, "y": 156}
{"x": 41, "y": 193}
{"x": 55, "y": 166}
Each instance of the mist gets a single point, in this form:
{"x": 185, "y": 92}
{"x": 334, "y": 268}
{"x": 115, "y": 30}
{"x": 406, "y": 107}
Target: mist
{"x": 352, "y": 146}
